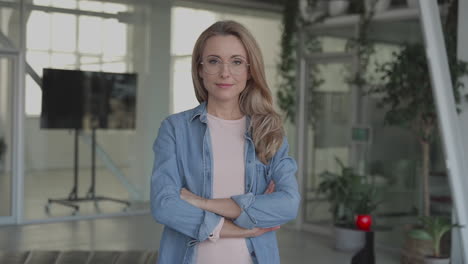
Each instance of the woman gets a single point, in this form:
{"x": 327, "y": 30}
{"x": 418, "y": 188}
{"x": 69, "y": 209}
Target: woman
{"x": 222, "y": 181}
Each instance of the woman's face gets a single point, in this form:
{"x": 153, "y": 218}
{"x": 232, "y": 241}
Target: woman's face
{"x": 224, "y": 70}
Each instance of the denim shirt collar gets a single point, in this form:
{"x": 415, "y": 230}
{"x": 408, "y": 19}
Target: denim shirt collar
{"x": 200, "y": 111}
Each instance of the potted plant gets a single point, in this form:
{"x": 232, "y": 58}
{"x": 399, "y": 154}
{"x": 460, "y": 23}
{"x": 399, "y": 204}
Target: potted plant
{"x": 349, "y": 195}
{"x": 433, "y": 229}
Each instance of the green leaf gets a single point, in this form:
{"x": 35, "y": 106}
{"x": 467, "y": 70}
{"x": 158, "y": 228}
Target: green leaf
{"x": 420, "y": 234}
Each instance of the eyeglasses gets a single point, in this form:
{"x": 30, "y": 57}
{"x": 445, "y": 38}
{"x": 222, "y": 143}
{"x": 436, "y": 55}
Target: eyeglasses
{"x": 214, "y": 65}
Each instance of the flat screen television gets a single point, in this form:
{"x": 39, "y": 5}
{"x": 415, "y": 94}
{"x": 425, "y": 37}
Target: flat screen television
{"x": 73, "y": 99}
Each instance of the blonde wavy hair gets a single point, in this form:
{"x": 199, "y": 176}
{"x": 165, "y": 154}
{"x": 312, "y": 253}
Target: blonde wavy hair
{"x": 256, "y": 100}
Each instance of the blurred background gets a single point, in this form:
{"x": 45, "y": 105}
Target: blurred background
{"x": 359, "y": 67}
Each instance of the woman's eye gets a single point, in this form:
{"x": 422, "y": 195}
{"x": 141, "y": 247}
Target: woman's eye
{"x": 237, "y": 62}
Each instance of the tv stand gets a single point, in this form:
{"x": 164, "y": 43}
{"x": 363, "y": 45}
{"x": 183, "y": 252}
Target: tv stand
{"x": 73, "y": 197}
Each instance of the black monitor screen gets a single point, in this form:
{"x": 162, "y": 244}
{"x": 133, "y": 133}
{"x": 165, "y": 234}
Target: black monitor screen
{"x": 74, "y": 99}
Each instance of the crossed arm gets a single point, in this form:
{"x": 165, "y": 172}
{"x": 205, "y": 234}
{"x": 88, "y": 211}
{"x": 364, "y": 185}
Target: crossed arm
{"x": 257, "y": 214}
{"x": 229, "y": 209}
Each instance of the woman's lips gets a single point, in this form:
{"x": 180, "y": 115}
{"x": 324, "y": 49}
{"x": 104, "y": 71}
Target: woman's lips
{"x": 224, "y": 85}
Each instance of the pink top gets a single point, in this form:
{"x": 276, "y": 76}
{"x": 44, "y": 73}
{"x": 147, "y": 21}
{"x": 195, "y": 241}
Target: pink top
{"x": 227, "y": 140}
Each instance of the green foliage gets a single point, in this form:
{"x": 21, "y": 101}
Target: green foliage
{"x": 406, "y": 91}
{"x": 288, "y": 65}
{"x": 348, "y": 194}
{"x": 361, "y": 45}
{"x": 434, "y": 228}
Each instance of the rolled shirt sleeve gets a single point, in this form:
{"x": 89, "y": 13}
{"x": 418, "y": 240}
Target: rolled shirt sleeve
{"x": 277, "y": 208}
{"x": 215, "y": 234}
{"x": 244, "y": 201}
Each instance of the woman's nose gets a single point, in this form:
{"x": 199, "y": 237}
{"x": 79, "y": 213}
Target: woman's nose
{"x": 225, "y": 71}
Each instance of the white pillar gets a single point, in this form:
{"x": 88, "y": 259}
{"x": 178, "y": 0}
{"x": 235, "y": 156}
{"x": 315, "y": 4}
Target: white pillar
{"x": 154, "y": 95}
{"x": 462, "y": 54}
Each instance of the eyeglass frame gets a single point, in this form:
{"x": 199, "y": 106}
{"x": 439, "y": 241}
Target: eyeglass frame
{"x": 229, "y": 67}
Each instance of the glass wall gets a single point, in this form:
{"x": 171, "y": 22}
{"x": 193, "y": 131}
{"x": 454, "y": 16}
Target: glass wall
{"x": 88, "y": 36}
{"x": 9, "y": 50}
{"x": 329, "y": 142}
{"x": 7, "y": 82}
{"x": 359, "y": 124}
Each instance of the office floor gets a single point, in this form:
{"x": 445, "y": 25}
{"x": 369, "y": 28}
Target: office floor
{"x": 41, "y": 185}
{"x": 142, "y": 233}
{"x": 127, "y": 232}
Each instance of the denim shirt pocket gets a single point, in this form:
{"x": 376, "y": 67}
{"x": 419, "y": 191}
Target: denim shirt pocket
{"x": 263, "y": 177}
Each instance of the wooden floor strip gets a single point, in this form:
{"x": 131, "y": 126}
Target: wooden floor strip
{"x": 42, "y": 257}
{"x": 103, "y": 257}
{"x": 78, "y": 257}
{"x": 13, "y": 257}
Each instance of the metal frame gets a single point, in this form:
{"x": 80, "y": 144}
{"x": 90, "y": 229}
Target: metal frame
{"x": 301, "y": 122}
{"x": 301, "y": 139}
{"x": 449, "y": 122}
{"x": 14, "y": 57}
{"x": 226, "y": 4}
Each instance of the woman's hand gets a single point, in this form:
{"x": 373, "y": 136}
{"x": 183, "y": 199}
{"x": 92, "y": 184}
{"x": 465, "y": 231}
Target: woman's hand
{"x": 230, "y": 230}
{"x": 257, "y": 231}
{"x": 270, "y": 188}
{"x": 192, "y": 198}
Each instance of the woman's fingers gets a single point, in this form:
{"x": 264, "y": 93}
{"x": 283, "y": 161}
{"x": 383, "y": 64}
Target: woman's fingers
{"x": 183, "y": 193}
{"x": 260, "y": 231}
{"x": 270, "y": 188}
{"x": 186, "y": 194}
{"x": 275, "y": 228}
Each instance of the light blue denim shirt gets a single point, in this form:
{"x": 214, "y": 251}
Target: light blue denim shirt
{"x": 183, "y": 158}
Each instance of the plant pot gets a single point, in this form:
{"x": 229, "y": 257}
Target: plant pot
{"x": 412, "y": 3}
{"x": 347, "y": 239}
{"x": 338, "y": 7}
{"x": 380, "y": 5}
{"x": 414, "y": 250}
{"x": 433, "y": 260}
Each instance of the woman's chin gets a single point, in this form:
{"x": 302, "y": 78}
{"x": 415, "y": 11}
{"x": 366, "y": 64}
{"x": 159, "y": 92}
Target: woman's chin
{"x": 225, "y": 98}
